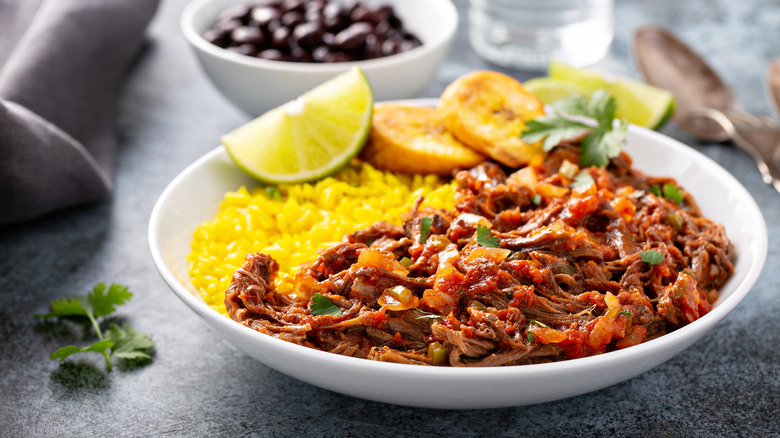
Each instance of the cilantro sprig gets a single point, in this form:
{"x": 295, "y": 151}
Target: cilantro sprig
{"x": 122, "y": 342}
{"x": 574, "y": 115}
{"x": 486, "y": 238}
{"x": 322, "y": 305}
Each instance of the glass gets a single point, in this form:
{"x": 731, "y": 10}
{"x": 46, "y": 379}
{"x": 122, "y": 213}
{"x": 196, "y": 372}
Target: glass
{"x": 527, "y": 34}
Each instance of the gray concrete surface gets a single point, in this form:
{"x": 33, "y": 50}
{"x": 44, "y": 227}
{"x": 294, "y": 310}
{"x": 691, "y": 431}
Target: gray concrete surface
{"x": 727, "y": 384}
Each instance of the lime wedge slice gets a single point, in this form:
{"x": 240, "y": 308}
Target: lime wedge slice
{"x": 642, "y": 104}
{"x": 548, "y": 90}
{"x": 308, "y": 138}
{"x": 588, "y": 79}
{"x": 637, "y": 102}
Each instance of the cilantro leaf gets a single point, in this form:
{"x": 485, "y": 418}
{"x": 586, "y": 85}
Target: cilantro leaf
{"x": 103, "y": 302}
{"x": 64, "y": 352}
{"x": 486, "y": 238}
{"x": 128, "y": 343}
{"x": 654, "y": 189}
{"x": 322, "y": 305}
{"x": 553, "y": 129}
{"x": 582, "y": 179}
{"x": 66, "y": 306}
{"x": 602, "y": 141}
{"x": 531, "y": 337}
{"x": 602, "y": 144}
{"x": 539, "y": 323}
{"x": 425, "y": 228}
{"x": 673, "y": 193}
{"x": 652, "y": 257}
{"x": 626, "y": 312}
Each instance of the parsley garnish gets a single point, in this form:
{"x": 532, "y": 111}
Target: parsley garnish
{"x": 626, "y": 312}
{"x": 582, "y": 179}
{"x": 601, "y": 142}
{"x": 486, "y": 238}
{"x": 654, "y": 189}
{"x": 652, "y": 257}
{"x": 539, "y": 323}
{"x": 425, "y": 228}
{"x": 124, "y": 343}
{"x": 531, "y": 337}
{"x": 273, "y": 192}
{"x": 673, "y": 193}
{"x": 322, "y": 305}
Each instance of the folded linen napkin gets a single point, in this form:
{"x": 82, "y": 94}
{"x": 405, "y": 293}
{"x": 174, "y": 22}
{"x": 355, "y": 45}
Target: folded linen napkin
{"x": 62, "y": 63}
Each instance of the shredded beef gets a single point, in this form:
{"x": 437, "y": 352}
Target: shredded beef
{"x": 568, "y": 279}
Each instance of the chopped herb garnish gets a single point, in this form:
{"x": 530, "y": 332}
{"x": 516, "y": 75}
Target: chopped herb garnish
{"x": 673, "y": 193}
{"x": 428, "y": 315}
{"x": 601, "y": 142}
{"x": 582, "y": 179}
{"x": 626, "y": 312}
{"x": 654, "y": 189}
{"x": 486, "y": 238}
{"x": 273, "y": 192}
{"x": 353, "y": 184}
{"x": 652, "y": 257}
{"x": 322, "y": 305}
{"x": 124, "y": 343}
{"x": 539, "y": 323}
{"x": 531, "y": 337}
{"x": 425, "y": 228}
{"x": 537, "y": 199}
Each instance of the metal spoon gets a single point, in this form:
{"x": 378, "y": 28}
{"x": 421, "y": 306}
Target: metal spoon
{"x": 706, "y": 106}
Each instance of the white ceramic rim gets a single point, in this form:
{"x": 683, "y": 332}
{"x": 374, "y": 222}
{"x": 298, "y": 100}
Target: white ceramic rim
{"x": 537, "y": 371}
{"x": 196, "y": 39}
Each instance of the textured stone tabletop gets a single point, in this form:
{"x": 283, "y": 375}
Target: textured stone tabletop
{"x": 726, "y": 384}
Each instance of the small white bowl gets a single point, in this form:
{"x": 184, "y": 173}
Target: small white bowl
{"x": 193, "y": 198}
{"x": 257, "y": 85}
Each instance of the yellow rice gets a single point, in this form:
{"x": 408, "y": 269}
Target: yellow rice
{"x": 308, "y": 217}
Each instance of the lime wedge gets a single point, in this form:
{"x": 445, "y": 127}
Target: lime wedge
{"x": 642, "y": 104}
{"x": 548, "y": 90}
{"x": 637, "y": 102}
{"x": 586, "y": 78}
{"x": 308, "y": 138}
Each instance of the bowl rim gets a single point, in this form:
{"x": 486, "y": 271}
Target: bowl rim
{"x": 689, "y": 333}
{"x": 196, "y": 40}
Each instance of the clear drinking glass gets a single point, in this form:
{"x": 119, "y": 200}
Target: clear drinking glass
{"x": 527, "y": 34}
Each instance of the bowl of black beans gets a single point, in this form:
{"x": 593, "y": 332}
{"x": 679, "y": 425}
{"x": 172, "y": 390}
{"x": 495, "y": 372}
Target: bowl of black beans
{"x": 263, "y": 53}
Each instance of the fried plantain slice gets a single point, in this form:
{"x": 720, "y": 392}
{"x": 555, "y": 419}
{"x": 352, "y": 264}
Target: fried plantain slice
{"x": 413, "y": 140}
{"x": 487, "y": 111}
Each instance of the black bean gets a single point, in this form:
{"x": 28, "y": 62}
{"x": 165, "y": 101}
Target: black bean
{"x": 293, "y": 18}
{"x": 217, "y": 37}
{"x": 247, "y": 35}
{"x": 308, "y": 35}
{"x": 244, "y": 49}
{"x": 263, "y": 15}
{"x": 271, "y": 55}
{"x": 353, "y": 37}
{"x": 280, "y": 39}
{"x": 293, "y": 5}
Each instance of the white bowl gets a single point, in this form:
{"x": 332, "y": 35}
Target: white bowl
{"x": 257, "y": 85}
{"x": 193, "y": 197}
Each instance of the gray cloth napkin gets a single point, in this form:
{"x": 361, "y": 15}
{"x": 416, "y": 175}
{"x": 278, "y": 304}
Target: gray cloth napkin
{"x": 62, "y": 63}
